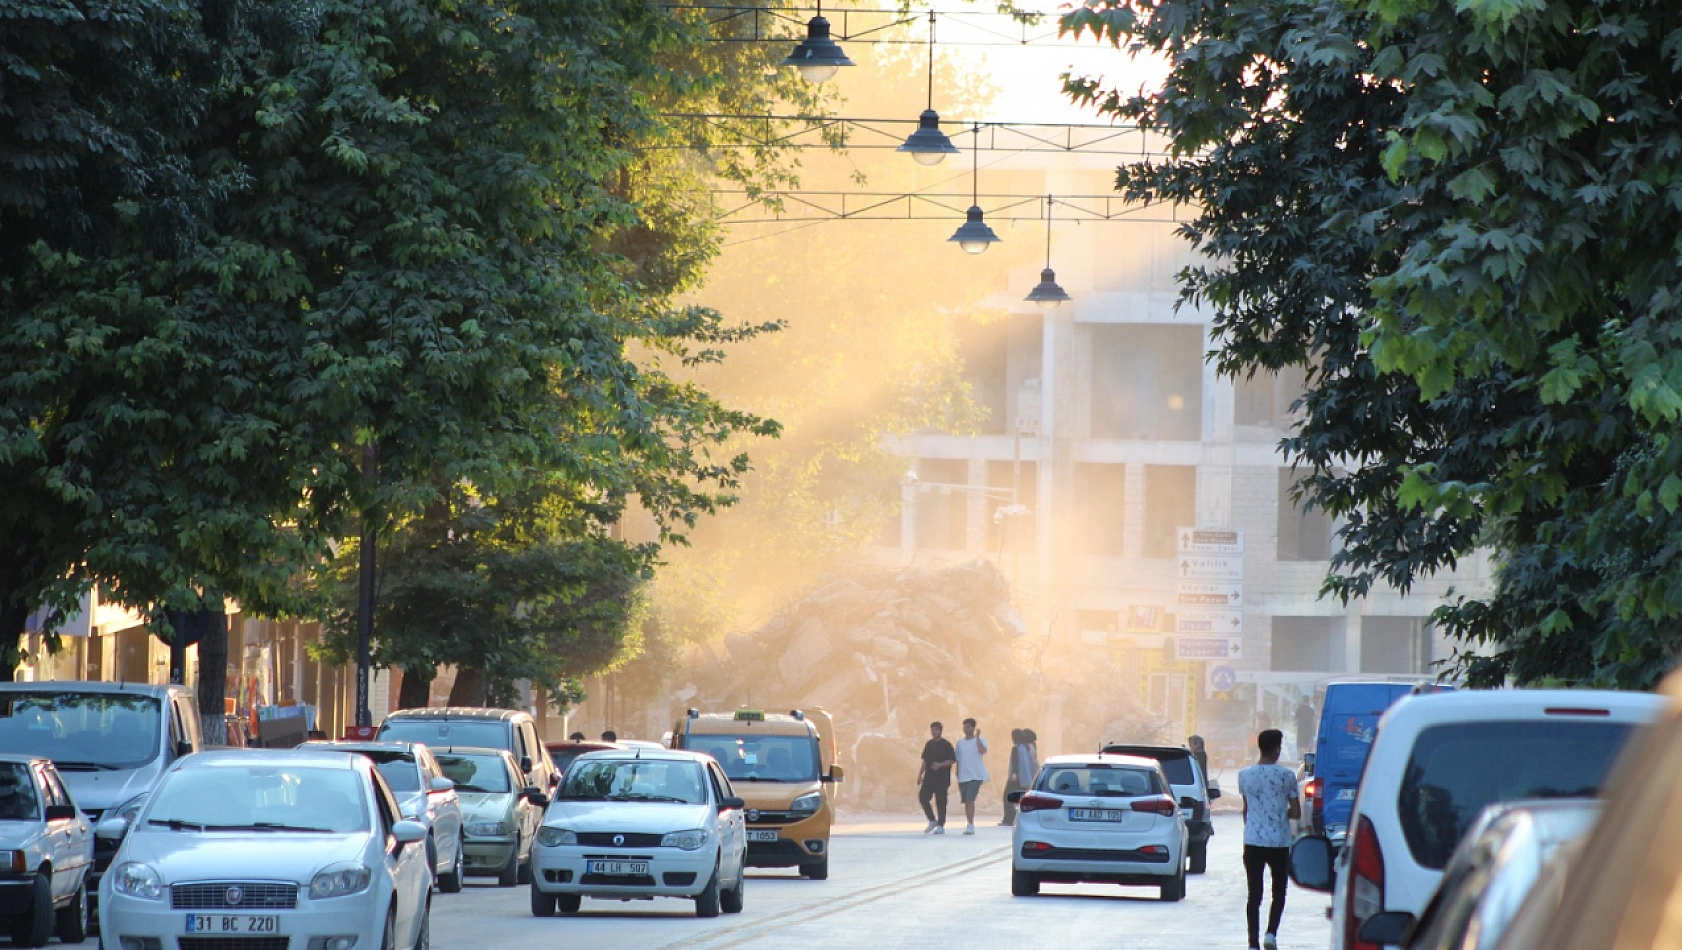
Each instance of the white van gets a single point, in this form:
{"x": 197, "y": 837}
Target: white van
{"x": 1438, "y": 760}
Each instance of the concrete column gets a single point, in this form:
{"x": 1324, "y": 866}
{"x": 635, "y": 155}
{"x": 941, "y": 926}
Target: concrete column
{"x": 1352, "y": 644}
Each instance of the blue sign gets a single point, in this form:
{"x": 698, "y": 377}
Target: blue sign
{"x": 1222, "y": 678}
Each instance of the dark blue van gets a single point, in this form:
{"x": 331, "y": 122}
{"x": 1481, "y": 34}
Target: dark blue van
{"x": 1349, "y": 716}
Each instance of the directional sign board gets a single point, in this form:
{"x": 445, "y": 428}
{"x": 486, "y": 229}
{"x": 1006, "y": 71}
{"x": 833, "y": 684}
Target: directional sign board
{"x": 1208, "y": 648}
{"x": 1213, "y": 623}
{"x": 1207, "y": 541}
{"x": 1222, "y": 678}
{"x": 1198, "y": 567}
{"x": 1228, "y": 596}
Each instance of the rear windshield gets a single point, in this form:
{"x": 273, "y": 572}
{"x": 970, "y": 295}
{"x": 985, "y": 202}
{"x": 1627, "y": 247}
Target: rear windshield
{"x": 445, "y": 733}
{"x": 1457, "y": 769}
{"x": 1099, "y": 781}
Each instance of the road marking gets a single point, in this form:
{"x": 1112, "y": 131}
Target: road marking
{"x": 755, "y": 930}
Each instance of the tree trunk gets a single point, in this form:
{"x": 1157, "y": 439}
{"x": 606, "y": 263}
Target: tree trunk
{"x": 12, "y": 621}
{"x": 414, "y": 692}
{"x": 213, "y": 679}
{"x": 470, "y": 687}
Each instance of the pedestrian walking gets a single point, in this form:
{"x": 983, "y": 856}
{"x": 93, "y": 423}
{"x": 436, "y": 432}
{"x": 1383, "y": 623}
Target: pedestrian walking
{"x": 1308, "y": 728}
{"x": 1270, "y": 805}
{"x": 610, "y": 736}
{"x": 1199, "y": 753}
{"x": 934, "y": 779}
{"x": 972, "y": 770}
{"x": 1024, "y": 765}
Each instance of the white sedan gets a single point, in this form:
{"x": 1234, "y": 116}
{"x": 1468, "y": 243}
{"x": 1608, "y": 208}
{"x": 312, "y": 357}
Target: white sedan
{"x": 1099, "y": 818}
{"x": 272, "y": 850}
{"x": 641, "y": 823}
{"x": 46, "y": 852}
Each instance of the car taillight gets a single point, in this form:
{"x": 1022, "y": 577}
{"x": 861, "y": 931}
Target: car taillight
{"x": 1365, "y": 894}
{"x": 1162, "y": 805}
{"x": 1311, "y": 792}
{"x": 1032, "y": 802}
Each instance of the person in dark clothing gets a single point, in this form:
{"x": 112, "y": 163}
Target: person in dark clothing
{"x": 1199, "y": 753}
{"x": 1270, "y": 806}
{"x": 934, "y": 779}
{"x": 1308, "y": 727}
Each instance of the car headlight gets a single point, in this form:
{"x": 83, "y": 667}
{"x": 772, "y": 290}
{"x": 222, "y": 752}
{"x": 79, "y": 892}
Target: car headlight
{"x": 337, "y": 880}
{"x": 138, "y": 880}
{"x": 555, "y": 837}
{"x": 489, "y": 829}
{"x": 807, "y": 804}
{"x": 687, "y": 840}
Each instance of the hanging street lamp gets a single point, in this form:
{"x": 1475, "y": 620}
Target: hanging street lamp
{"x": 928, "y": 145}
{"x": 1047, "y": 295}
{"x": 819, "y": 58}
{"x": 974, "y": 235}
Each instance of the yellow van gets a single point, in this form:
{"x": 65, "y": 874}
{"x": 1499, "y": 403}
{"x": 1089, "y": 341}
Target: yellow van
{"x": 783, "y": 766}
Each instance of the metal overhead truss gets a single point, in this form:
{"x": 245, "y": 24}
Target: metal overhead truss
{"x": 773, "y": 24}
{"x": 841, "y": 132}
{"x": 784, "y": 207}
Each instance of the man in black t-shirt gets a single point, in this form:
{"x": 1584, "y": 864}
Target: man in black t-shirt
{"x": 934, "y": 779}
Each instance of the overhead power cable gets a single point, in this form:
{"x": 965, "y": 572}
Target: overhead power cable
{"x": 759, "y": 208}
{"x": 820, "y": 131}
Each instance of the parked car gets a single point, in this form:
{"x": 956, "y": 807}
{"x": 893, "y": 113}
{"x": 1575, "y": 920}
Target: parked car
{"x": 499, "y": 813}
{"x": 470, "y": 728}
{"x": 1349, "y": 714}
{"x": 561, "y": 754}
{"x": 642, "y": 823}
{"x": 1437, "y": 762}
{"x": 50, "y": 845}
{"x": 424, "y": 794}
{"x": 1188, "y": 782}
{"x": 1104, "y": 818}
{"x": 1622, "y": 885}
{"x": 109, "y": 741}
{"x": 261, "y": 849}
{"x": 1501, "y": 858}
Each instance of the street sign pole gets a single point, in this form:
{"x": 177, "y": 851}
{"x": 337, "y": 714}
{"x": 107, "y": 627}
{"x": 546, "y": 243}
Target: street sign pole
{"x": 365, "y": 593}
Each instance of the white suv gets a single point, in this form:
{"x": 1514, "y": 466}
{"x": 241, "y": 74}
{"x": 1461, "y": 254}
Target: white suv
{"x": 1437, "y": 761}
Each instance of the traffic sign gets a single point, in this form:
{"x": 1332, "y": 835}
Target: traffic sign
{"x": 1206, "y": 541}
{"x": 1204, "y": 568}
{"x": 1209, "y": 594}
{"x": 1208, "y": 648}
{"x": 1222, "y": 678}
{"x": 1216, "y": 623}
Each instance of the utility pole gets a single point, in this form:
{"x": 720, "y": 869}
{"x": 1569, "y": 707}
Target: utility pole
{"x": 365, "y": 592}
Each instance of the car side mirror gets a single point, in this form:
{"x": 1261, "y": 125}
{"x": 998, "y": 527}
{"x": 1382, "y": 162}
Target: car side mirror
{"x": 408, "y": 832}
{"x": 731, "y": 803}
{"x": 183, "y": 748}
{"x": 525, "y": 763}
{"x": 1013, "y": 797}
{"x": 1188, "y": 802}
{"x": 61, "y": 812}
{"x": 440, "y": 784}
{"x": 1311, "y": 863}
{"x": 1214, "y": 792}
{"x": 837, "y": 773}
{"x": 1308, "y": 764}
{"x": 535, "y": 795}
{"x": 1389, "y": 928}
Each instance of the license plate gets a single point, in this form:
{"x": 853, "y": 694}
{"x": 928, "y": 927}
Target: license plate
{"x": 618, "y": 868}
{"x": 232, "y": 924}
{"x": 1096, "y": 814}
{"x": 1345, "y": 794}
{"x": 1188, "y": 812}
{"x": 762, "y": 836}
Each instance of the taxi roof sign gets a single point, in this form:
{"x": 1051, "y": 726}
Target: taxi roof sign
{"x": 750, "y": 715}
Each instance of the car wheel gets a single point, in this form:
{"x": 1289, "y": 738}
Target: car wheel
{"x": 542, "y": 905}
{"x": 1174, "y": 888}
{"x": 34, "y": 927}
{"x": 1197, "y": 857}
{"x": 1024, "y": 883}
{"x": 510, "y": 874}
{"x": 816, "y": 871}
{"x": 730, "y": 901}
{"x": 450, "y": 883}
{"x": 73, "y": 920}
{"x": 569, "y": 903}
{"x": 706, "y": 902}
{"x": 423, "y": 937}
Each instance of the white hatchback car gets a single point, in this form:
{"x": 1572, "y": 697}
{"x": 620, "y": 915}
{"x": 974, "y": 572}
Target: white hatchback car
{"x": 1099, "y": 818}
{"x": 1437, "y": 762}
{"x": 269, "y": 850}
{"x": 46, "y": 852}
{"x": 641, "y": 823}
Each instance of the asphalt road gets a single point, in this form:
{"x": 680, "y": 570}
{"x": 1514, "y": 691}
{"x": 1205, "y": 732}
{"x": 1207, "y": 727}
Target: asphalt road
{"x": 891, "y": 886}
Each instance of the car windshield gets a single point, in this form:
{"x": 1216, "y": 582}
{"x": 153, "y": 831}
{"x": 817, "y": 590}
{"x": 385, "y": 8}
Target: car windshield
{"x": 18, "y": 801}
{"x": 82, "y": 731}
{"x": 1099, "y": 781}
{"x": 1457, "y": 769}
{"x": 563, "y": 757}
{"x": 399, "y": 769}
{"x": 754, "y": 758}
{"x": 635, "y": 780}
{"x": 475, "y": 772}
{"x": 444, "y": 733}
{"x": 259, "y": 797}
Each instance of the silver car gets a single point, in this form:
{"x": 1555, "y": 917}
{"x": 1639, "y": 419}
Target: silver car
{"x": 500, "y": 815}
{"x": 46, "y": 848}
{"x": 425, "y": 795}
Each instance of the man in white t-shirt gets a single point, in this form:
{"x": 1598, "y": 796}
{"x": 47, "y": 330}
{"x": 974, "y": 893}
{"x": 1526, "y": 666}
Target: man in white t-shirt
{"x": 972, "y": 771}
{"x": 1270, "y": 805}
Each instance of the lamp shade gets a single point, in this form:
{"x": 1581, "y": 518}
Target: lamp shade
{"x": 819, "y": 57}
{"x": 1046, "y": 294}
{"x": 928, "y": 145}
{"x": 974, "y": 235}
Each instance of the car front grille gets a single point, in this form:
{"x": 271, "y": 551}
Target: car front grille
{"x": 604, "y": 839}
{"x": 232, "y": 943}
{"x": 776, "y": 817}
{"x": 234, "y": 895}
